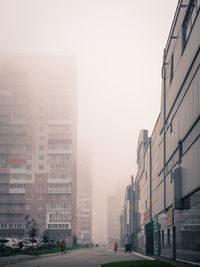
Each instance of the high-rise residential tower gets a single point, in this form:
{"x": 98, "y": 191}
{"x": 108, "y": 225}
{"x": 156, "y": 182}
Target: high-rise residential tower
{"x": 84, "y": 197}
{"x": 38, "y": 144}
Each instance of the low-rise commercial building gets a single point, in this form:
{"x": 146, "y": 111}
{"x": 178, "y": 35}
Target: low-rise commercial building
{"x": 167, "y": 181}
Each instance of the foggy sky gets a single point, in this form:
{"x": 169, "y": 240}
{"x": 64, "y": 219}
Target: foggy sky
{"x": 119, "y": 46}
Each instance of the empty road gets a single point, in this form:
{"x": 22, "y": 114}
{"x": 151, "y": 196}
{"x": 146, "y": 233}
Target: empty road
{"x": 91, "y": 257}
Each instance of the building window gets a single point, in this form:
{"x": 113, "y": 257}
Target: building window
{"x": 40, "y": 217}
{"x": 2, "y": 217}
{"x": 27, "y": 207}
{"x": 41, "y": 148}
{"x": 28, "y": 197}
{"x": 163, "y": 238}
{"x": 40, "y": 197}
{"x": 28, "y": 167}
{"x": 171, "y": 176}
{"x": 40, "y": 207}
{"x": 40, "y": 186}
{"x": 168, "y": 237}
{"x": 180, "y": 151}
{"x": 172, "y": 68}
{"x": 41, "y": 157}
{"x": 41, "y": 167}
{"x": 188, "y": 22}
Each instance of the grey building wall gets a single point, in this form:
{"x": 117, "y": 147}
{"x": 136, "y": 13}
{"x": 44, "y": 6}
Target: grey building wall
{"x": 167, "y": 179}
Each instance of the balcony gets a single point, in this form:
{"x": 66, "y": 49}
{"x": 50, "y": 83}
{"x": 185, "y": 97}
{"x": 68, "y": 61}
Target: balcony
{"x": 58, "y": 190}
{"x": 17, "y": 190}
{"x": 59, "y": 122}
{"x": 60, "y": 151}
{"x": 17, "y": 171}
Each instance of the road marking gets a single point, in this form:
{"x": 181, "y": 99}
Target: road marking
{"x": 143, "y": 256}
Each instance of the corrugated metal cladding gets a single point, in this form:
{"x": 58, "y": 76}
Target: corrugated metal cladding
{"x": 174, "y": 165}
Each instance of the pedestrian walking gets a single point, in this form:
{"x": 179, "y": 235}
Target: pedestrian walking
{"x": 115, "y": 246}
{"x": 62, "y": 247}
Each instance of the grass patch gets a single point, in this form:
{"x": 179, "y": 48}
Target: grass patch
{"x": 41, "y": 251}
{"x": 34, "y": 252}
{"x": 142, "y": 263}
{"x": 44, "y": 251}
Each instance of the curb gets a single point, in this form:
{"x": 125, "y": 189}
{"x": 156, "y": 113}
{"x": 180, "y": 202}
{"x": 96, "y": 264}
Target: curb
{"x": 11, "y": 261}
{"x": 143, "y": 256}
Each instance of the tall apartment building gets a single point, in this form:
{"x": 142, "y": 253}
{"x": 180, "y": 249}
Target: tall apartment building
{"x": 38, "y": 144}
{"x": 84, "y": 197}
{"x": 167, "y": 182}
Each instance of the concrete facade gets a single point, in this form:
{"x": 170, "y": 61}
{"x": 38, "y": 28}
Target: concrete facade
{"x": 38, "y": 144}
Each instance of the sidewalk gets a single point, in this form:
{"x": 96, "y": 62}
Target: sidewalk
{"x": 178, "y": 263}
{"x": 19, "y": 258}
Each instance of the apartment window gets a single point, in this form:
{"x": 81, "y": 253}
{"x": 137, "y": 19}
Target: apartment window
{"x": 40, "y": 197}
{"x": 41, "y": 157}
{"x": 40, "y": 186}
{"x": 41, "y": 147}
{"x": 188, "y": 22}
{"x": 27, "y": 207}
{"x": 41, "y": 167}
{"x": 41, "y": 129}
{"x": 28, "y": 197}
{"x": 2, "y": 217}
{"x": 40, "y": 177}
{"x": 28, "y": 167}
{"x": 40, "y": 207}
{"x": 52, "y": 196}
{"x": 28, "y": 157}
{"x": 3, "y": 197}
{"x": 16, "y": 197}
{"x": 14, "y": 217}
{"x": 40, "y": 217}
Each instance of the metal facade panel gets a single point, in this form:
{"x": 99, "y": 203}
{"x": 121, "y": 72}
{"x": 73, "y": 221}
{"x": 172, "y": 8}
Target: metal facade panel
{"x": 191, "y": 169}
{"x": 169, "y": 190}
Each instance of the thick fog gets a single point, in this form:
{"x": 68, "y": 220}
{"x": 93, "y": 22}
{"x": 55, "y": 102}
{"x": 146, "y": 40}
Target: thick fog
{"x": 119, "y": 47}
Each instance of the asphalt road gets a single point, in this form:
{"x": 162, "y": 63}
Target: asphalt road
{"x": 91, "y": 257}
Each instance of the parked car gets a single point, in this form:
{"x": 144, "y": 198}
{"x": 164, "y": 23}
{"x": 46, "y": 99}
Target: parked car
{"x": 34, "y": 241}
{"x": 25, "y": 245}
{"x": 8, "y": 243}
{"x": 43, "y": 244}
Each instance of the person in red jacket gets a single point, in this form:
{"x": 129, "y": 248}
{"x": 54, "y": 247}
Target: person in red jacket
{"x": 115, "y": 246}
